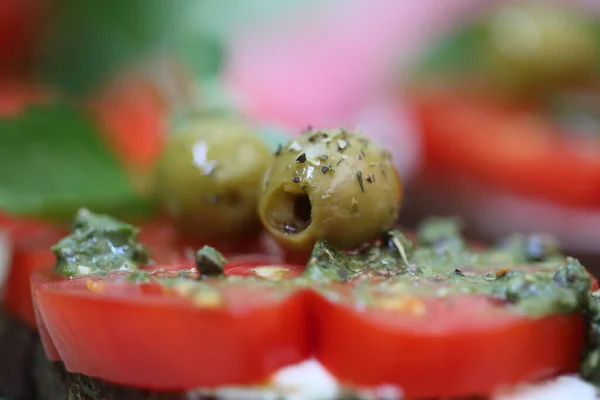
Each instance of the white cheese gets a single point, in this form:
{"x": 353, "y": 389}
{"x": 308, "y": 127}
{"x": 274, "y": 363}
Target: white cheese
{"x": 309, "y": 380}
{"x": 306, "y": 381}
{"x": 562, "y": 388}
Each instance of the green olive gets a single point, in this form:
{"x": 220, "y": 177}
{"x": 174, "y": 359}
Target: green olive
{"x": 209, "y": 176}
{"x": 332, "y": 185}
{"x": 537, "y": 46}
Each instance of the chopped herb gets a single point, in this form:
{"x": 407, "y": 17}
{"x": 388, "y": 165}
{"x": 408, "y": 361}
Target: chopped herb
{"x": 339, "y": 162}
{"x": 360, "y": 181}
{"x": 458, "y": 272}
{"x": 362, "y": 153}
{"x": 369, "y": 179}
{"x": 590, "y": 366}
{"x": 301, "y": 158}
{"x": 381, "y": 259}
{"x": 209, "y": 261}
{"x": 279, "y": 149}
{"x": 324, "y": 169}
{"x": 98, "y": 244}
{"x": 296, "y": 179}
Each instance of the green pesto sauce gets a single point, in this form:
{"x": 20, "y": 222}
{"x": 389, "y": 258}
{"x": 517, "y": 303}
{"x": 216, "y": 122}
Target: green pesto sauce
{"x": 98, "y": 244}
{"x": 590, "y": 367}
{"x": 525, "y": 271}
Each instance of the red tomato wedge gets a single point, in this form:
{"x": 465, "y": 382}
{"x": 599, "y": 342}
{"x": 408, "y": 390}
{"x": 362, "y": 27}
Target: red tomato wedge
{"x": 142, "y": 335}
{"x": 443, "y": 346}
{"x": 511, "y": 147}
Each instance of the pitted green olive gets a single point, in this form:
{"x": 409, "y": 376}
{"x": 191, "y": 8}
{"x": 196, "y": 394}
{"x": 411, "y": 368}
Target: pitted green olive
{"x": 331, "y": 185}
{"x": 210, "y": 174}
{"x": 537, "y": 46}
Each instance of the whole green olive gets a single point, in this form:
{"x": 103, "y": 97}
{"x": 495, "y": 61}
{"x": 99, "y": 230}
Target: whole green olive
{"x": 209, "y": 176}
{"x": 332, "y": 185}
{"x": 538, "y": 46}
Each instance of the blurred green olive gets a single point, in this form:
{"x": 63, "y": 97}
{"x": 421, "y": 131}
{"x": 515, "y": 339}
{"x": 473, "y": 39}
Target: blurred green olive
{"x": 332, "y": 185}
{"x": 536, "y": 46}
{"x": 209, "y": 176}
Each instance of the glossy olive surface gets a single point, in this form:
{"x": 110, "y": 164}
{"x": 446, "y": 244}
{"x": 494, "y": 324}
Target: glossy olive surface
{"x": 536, "y": 45}
{"x": 333, "y": 185}
{"x": 209, "y": 176}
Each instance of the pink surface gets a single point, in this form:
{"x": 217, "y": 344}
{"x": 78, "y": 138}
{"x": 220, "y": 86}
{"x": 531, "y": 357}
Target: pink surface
{"x": 334, "y": 69}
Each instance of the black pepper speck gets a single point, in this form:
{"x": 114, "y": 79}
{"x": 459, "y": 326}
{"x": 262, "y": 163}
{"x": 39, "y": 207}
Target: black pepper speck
{"x": 301, "y": 158}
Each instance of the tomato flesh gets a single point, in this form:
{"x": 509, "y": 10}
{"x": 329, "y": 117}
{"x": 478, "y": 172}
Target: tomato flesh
{"x": 134, "y": 119}
{"x": 179, "y": 345}
{"x": 30, "y": 243}
{"x": 507, "y": 146}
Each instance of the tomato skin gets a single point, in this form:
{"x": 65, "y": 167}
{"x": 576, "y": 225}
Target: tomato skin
{"x": 133, "y": 117}
{"x": 179, "y": 345}
{"x": 507, "y": 146}
{"x": 364, "y": 351}
{"x": 25, "y": 261}
{"x": 30, "y": 241}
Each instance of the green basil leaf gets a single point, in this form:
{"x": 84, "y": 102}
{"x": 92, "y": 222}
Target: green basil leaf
{"x": 54, "y": 162}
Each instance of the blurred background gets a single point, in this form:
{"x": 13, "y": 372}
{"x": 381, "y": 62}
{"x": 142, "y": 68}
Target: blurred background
{"x": 491, "y": 108}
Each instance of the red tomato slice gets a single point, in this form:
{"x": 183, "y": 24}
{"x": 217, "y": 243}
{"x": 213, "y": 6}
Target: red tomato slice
{"x": 134, "y": 119}
{"x": 142, "y": 337}
{"x": 512, "y": 148}
{"x": 432, "y": 347}
{"x": 30, "y": 243}
{"x": 27, "y": 257}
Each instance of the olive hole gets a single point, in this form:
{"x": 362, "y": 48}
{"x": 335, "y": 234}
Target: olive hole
{"x": 290, "y": 213}
{"x": 302, "y": 211}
